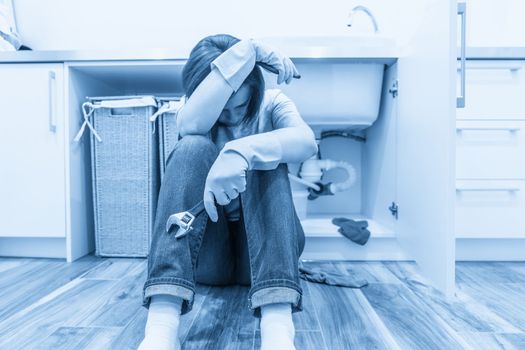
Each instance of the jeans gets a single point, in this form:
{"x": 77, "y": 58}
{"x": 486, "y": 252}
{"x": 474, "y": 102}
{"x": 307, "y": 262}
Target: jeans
{"x": 261, "y": 249}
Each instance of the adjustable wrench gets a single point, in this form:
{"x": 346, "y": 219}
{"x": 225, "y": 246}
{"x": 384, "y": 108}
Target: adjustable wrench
{"x": 184, "y": 219}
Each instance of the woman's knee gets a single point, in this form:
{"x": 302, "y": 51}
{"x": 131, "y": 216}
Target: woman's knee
{"x": 193, "y": 145}
{"x": 195, "y": 140}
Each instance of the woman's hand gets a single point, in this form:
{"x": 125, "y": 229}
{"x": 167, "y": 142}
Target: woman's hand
{"x": 277, "y": 60}
{"x": 226, "y": 179}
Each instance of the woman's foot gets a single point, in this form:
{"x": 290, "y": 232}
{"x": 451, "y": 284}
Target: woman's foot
{"x": 277, "y": 328}
{"x": 162, "y": 326}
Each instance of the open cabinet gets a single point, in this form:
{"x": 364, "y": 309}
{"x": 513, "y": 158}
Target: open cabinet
{"x": 372, "y": 154}
{"x": 406, "y": 167}
{"x": 426, "y": 145}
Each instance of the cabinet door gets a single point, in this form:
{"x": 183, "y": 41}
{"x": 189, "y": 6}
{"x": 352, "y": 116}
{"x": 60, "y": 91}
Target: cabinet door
{"x": 426, "y": 145}
{"x": 32, "y": 186}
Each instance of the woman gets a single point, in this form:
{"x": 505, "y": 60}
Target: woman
{"x": 235, "y": 138}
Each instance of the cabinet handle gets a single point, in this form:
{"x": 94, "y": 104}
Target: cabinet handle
{"x": 509, "y": 128}
{"x": 462, "y": 11}
{"x": 52, "y": 99}
{"x": 511, "y": 67}
{"x": 506, "y": 189}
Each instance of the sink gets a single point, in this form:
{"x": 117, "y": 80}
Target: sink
{"x": 341, "y": 76}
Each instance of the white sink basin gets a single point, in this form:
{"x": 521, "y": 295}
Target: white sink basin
{"x": 341, "y": 76}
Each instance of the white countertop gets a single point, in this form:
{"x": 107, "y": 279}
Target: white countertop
{"x": 516, "y": 53}
{"x": 141, "y": 54}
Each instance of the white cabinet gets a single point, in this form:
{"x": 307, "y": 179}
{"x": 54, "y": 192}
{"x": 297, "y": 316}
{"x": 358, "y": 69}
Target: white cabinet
{"x": 32, "y": 180}
{"x": 490, "y": 209}
{"x": 425, "y": 148}
{"x": 495, "y": 90}
{"x": 490, "y": 149}
{"x": 490, "y": 162}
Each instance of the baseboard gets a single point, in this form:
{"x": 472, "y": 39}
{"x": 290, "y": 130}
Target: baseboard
{"x": 490, "y": 249}
{"x": 341, "y": 248}
{"x": 33, "y": 247}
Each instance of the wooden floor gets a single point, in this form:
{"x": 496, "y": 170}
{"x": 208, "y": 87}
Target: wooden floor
{"x": 95, "y": 303}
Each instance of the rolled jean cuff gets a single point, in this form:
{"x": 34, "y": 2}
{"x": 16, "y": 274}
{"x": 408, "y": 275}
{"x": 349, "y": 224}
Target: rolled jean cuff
{"x": 276, "y": 294}
{"x": 172, "y": 286}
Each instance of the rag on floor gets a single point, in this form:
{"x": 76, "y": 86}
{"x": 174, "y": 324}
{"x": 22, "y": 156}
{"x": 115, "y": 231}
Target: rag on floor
{"x": 356, "y": 231}
{"x": 331, "y": 278}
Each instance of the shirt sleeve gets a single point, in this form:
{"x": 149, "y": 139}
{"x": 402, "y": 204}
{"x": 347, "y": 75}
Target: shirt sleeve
{"x": 265, "y": 151}
{"x": 284, "y": 113}
{"x": 236, "y": 63}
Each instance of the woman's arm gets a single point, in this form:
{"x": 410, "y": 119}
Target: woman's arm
{"x": 291, "y": 141}
{"x": 228, "y": 72}
{"x": 265, "y": 151}
{"x": 203, "y": 108}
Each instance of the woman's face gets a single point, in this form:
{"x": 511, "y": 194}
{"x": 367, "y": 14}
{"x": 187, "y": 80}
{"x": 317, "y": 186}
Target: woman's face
{"x": 236, "y": 107}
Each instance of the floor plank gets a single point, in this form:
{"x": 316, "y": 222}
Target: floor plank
{"x": 463, "y": 313}
{"x": 304, "y": 340}
{"x": 225, "y": 322}
{"x": 115, "y": 268}
{"x": 36, "y": 278}
{"x": 507, "y": 300}
{"x": 372, "y": 271}
{"x": 120, "y": 303}
{"x": 9, "y": 263}
{"x": 495, "y": 341}
{"x": 412, "y": 322}
{"x": 347, "y": 320}
{"x": 41, "y": 319}
{"x": 480, "y": 272}
{"x": 72, "y": 338}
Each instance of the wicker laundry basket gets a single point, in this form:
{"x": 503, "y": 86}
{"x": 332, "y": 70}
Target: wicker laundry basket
{"x": 125, "y": 172}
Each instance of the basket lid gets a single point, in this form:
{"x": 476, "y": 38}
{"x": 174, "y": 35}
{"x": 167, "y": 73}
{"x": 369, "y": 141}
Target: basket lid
{"x": 123, "y": 101}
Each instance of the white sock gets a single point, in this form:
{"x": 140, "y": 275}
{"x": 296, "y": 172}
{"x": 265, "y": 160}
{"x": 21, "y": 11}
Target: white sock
{"x": 277, "y": 328}
{"x": 162, "y": 326}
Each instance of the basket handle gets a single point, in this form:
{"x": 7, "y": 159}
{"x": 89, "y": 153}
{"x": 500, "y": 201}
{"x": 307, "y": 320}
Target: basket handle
{"x": 171, "y": 106}
{"x": 87, "y": 110}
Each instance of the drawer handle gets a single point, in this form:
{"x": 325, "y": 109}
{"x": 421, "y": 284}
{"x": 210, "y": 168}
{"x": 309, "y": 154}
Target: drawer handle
{"x": 462, "y": 11}
{"x": 508, "y": 128}
{"x": 506, "y": 189}
{"x": 512, "y": 68}
{"x": 51, "y": 79}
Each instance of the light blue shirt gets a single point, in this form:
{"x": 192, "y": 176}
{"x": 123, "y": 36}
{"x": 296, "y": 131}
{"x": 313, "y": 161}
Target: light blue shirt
{"x": 277, "y": 111}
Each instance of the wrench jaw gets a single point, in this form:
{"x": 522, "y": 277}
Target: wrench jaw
{"x": 182, "y": 232}
{"x": 184, "y": 220}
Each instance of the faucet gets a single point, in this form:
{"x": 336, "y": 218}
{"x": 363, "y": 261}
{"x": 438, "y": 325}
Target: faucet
{"x": 365, "y": 10}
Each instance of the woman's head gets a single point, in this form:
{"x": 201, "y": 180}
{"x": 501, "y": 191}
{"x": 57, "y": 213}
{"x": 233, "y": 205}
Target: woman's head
{"x": 245, "y": 102}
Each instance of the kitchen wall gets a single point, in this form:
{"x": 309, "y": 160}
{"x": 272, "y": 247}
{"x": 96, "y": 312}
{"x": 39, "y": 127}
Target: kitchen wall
{"x": 495, "y": 23}
{"x": 103, "y": 24}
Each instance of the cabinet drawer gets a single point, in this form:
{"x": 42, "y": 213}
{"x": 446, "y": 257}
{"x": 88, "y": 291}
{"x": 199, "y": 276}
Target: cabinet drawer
{"x": 490, "y": 149}
{"x": 494, "y": 90}
{"x": 490, "y": 208}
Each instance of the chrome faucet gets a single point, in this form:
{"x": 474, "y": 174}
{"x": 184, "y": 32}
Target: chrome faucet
{"x": 365, "y": 10}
